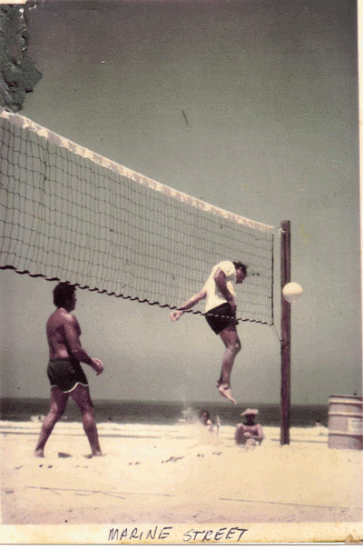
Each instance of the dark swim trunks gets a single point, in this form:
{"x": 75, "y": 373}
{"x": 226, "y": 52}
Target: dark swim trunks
{"x": 66, "y": 374}
{"x": 221, "y": 317}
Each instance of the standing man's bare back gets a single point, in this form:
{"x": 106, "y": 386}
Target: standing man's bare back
{"x": 62, "y": 328}
{"x": 63, "y": 335}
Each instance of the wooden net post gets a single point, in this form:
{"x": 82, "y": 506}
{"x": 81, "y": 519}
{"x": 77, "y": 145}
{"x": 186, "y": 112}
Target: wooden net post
{"x": 285, "y": 335}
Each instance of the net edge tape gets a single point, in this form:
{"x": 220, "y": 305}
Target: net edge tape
{"x": 60, "y": 141}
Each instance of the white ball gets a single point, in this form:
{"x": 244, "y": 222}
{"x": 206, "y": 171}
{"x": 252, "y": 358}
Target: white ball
{"x": 292, "y": 292}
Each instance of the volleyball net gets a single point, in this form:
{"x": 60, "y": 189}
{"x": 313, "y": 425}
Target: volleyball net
{"x": 68, "y": 214}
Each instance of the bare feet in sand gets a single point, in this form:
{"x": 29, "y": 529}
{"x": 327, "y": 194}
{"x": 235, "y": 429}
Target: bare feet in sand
{"x": 95, "y": 454}
{"x": 39, "y": 454}
{"x": 226, "y": 392}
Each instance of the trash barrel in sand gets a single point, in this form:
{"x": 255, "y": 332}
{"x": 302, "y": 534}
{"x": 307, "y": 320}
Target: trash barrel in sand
{"x": 345, "y": 422}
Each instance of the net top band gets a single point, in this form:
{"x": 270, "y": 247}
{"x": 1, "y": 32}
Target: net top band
{"x": 60, "y": 141}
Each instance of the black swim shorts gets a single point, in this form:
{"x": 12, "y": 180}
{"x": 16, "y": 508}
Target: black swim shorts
{"x": 221, "y": 317}
{"x": 66, "y": 374}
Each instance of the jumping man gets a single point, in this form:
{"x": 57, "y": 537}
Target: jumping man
{"x": 221, "y": 315}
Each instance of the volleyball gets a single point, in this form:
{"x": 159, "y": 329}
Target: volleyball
{"x": 292, "y": 292}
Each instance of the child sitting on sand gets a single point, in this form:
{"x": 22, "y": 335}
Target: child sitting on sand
{"x": 204, "y": 417}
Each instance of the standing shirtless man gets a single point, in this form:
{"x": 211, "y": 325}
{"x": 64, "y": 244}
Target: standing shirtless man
{"x": 64, "y": 371}
{"x": 220, "y": 312}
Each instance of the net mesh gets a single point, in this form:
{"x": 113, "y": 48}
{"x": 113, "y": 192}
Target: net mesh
{"x": 69, "y": 214}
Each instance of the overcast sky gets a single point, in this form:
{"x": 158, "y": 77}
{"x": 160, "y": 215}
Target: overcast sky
{"x": 270, "y": 92}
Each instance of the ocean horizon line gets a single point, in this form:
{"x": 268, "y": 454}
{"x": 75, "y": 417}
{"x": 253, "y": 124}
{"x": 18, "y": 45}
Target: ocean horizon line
{"x": 180, "y": 402}
{"x": 164, "y": 412}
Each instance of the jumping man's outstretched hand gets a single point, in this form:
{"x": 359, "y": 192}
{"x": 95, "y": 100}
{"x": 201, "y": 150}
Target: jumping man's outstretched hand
{"x": 175, "y": 315}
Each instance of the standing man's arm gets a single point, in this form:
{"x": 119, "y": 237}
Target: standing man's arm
{"x": 175, "y": 315}
{"x": 221, "y": 282}
{"x": 71, "y": 334}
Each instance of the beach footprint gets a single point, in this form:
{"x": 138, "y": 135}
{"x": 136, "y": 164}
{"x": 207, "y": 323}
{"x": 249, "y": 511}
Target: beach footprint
{"x": 172, "y": 459}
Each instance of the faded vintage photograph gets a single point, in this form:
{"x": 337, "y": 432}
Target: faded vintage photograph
{"x": 180, "y": 271}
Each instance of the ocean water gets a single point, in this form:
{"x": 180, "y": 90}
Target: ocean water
{"x": 167, "y": 413}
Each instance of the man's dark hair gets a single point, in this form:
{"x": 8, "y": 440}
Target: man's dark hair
{"x": 62, "y": 293}
{"x": 240, "y": 265}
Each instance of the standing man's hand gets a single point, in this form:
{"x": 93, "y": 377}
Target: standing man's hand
{"x": 98, "y": 366}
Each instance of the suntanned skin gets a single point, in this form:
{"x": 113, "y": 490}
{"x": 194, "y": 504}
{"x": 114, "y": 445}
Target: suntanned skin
{"x": 63, "y": 335}
{"x": 250, "y": 433}
{"x": 228, "y": 335}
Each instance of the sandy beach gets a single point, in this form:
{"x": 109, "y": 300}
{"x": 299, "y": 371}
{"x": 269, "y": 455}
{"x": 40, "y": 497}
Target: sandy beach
{"x": 181, "y": 478}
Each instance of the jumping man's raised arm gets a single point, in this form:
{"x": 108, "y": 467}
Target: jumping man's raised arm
{"x": 176, "y": 314}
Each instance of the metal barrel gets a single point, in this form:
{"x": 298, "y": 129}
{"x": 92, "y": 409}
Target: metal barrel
{"x": 345, "y": 422}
